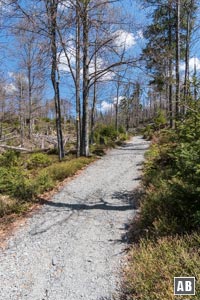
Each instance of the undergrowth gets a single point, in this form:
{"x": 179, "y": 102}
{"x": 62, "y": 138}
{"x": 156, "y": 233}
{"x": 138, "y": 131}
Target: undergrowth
{"x": 21, "y": 181}
{"x": 165, "y": 234}
{"x": 152, "y": 266}
{"x": 106, "y": 136}
{"x": 25, "y": 176}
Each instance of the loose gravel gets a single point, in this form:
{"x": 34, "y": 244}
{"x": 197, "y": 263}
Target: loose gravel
{"x": 73, "y": 247}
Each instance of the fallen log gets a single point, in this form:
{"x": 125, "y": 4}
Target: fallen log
{"x": 24, "y": 149}
{"x": 8, "y": 138}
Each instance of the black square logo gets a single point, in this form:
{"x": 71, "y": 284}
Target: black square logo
{"x": 184, "y": 285}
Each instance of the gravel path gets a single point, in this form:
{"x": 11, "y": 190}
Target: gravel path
{"x": 72, "y": 248}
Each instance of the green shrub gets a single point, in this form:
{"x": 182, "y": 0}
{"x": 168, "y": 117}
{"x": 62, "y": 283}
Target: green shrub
{"x": 109, "y": 132}
{"x": 23, "y": 190}
{"x": 148, "y": 132}
{"x": 10, "y": 158}
{"x": 171, "y": 180}
{"x": 42, "y": 183}
{"x": 152, "y": 267}
{"x": 53, "y": 151}
{"x": 37, "y": 160}
{"x": 37, "y": 128}
{"x": 46, "y": 119}
{"x": 172, "y": 208}
{"x": 186, "y": 158}
{"x": 9, "y": 178}
{"x": 15, "y": 183}
{"x": 63, "y": 170}
{"x": 160, "y": 120}
{"x": 122, "y": 137}
{"x": 105, "y": 134}
{"x": 60, "y": 171}
{"x": 121, "y": 130}
{"x": 20, "y": 187}
{"x": 98, "y": 149}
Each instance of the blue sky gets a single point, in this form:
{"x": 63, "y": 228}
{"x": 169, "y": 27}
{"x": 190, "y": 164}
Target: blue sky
{"x": 10, "y": 62}
{"x": 134, "y": 12}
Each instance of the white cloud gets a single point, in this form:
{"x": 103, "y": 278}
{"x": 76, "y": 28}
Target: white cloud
{"x": 11, "y": 74}
{"x": 140, "y": 34}
{"x": 100, "y": 67}
{"x": 120, "y": 98}
{"x": 124, "y": 39}
{"x": 10, "y": 88}
{"x": 64, "y": 5}
{"x": 105, "y": 106}
{"x": 64, "y": 66}
{"x": 192, "y": 62}
{"x": 63, "y": 62}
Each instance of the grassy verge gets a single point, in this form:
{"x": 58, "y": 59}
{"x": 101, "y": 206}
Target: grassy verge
{"x": 23, "y": 180}
{"x": 152, "y": 266}
{"x": 23, "y": 176}
{"x": 165, "y": 233}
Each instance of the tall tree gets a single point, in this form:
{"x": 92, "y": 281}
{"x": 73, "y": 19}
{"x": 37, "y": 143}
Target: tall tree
{"x": 85, "y": 118}
{"x": 52, "y": 14}
{"x": 177, "y": 103}
{"x": 190, "y": 8}
{"x": 31, "y": 60}
{"x": 168, "y": 44}
{"x": 77, "y": 80}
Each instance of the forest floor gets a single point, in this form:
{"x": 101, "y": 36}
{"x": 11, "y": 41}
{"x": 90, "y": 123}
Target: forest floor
{"x": 72, "y": 248}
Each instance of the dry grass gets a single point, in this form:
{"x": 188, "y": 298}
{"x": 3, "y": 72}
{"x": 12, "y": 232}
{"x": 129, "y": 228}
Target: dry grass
{"x": 152, "y": 266}
{"x": 10, "y": 205}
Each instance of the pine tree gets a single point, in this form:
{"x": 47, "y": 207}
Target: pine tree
{"x": 169, "y": 38}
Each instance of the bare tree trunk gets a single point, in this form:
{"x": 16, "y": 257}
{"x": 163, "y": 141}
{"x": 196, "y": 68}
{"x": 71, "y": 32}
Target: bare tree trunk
{"x": 117, "y": 107}
{"x": 187, "y": 56}
{"x": 195, "y": 82}
{"x": 177, "y": 58}
{"x": 127, "y": 119}
{"x": 136, "y": 101}
{"x": 59, "y": 123}
{"x": 85, "y": 118}
{"x": 170, "y": 69}
{"x": 195, "y": 94}
{"x": 78, "y": 71}
{"x": 29, "y": 102}
{"x": 93, "y": 110}
{"x": 3, "y": 113}
{"x": 170, "y": 95}
{"x": 21, "y": 114}
{"x": 94, "y": 94}
{"x": 52, "y": 9}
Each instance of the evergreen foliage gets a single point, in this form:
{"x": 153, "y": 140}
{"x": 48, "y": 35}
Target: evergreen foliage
{"x": 172, "y": 201}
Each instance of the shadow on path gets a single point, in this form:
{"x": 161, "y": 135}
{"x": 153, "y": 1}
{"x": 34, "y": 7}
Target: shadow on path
{"x": 129, "y": 201}
{"x": 102, "y": 205}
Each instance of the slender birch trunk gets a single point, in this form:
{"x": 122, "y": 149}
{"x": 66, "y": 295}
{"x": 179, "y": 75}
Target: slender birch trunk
{"x": 85, "y": 117}
{"x": 78, "y": 71}
{"x": 52, "y": 14}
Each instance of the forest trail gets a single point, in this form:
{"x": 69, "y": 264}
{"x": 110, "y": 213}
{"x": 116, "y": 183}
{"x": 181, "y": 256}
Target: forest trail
{"x": 72, "y": 248}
